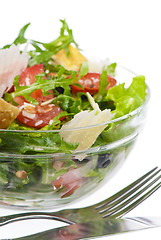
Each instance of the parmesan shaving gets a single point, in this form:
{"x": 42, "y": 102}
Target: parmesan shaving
{"x": 47, "y": 102}
{"x": 93, "y": 103}
{"x": 86, "y": 126}
{"x": 38, "y": 123}
{"x": 12, "y": 63}
{"x": 87, "y": 134}
{"x": 28, "y": 115}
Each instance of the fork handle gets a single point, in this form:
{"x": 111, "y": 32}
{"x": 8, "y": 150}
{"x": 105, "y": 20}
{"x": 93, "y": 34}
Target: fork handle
{"x": 32, "y": 215}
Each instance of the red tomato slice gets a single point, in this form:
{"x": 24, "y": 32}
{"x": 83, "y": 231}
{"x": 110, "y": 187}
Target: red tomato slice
{"x": 90, "y": 83}
{"x": 36, "y": 116}
{"x": 27, "y": 77}
{"x": 38, "y": 95}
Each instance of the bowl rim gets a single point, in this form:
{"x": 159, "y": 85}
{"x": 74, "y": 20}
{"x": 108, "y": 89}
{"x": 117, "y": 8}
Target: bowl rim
{"x": 126, "y": 116}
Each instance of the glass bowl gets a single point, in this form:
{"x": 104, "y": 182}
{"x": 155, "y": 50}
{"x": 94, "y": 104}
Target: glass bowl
{"x": 35, "y": 180}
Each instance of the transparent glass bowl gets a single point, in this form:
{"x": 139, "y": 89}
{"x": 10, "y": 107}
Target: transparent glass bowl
{"x": 37, "y": 180}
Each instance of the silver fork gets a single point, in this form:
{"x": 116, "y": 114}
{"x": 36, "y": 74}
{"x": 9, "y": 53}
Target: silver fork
{"x": 115, "y": 206}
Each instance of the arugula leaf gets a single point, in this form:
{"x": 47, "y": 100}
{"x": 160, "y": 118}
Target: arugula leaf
{"x": 40, "y": 83}
{"x": 56, "y": 120}
{"x": 56, "y": 69}
{"x": 27, "y": 143}
{"x": 21, "y": 39}
{"x": 42, "y": 57}
{"x": 67, "y": 103}
{"x": 63, "y": 41}
{"x": 43, "y": 52}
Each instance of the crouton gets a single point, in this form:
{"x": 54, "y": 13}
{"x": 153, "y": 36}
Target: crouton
{"x": 73, "y": 62}
{"x": 8, "y": 113}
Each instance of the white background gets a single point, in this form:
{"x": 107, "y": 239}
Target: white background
{"x": 127, "y": 32}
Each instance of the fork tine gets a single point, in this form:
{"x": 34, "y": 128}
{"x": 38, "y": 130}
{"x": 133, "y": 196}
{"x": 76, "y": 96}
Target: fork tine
{"x": 129, "y": 200}
{"x": 134, "y": 204}
{"x": 129, "y": 193}
{"x": 123, "y": 191}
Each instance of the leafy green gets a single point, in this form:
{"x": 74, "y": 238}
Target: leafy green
{"x": 49, "y": 174}
{"x": 137, "y": 90}
{"x": 110, "y": 69}
{"x": 57, "y": 68}
{"x": 19, "y": 165}
{"x": 63, "y": 41}
{"x": 16, "y": 125}
{"x": 56, "y": 121}
{"x": 33, "y": 142}
{"x": 20, "y": 39}
{"x": 43, "y": 52}
{"x": 127, "y": 99}
{"x": 44, "y": 84}
{"x": 84, "y": 69}
{"x": 67, "y": 103}
{"x": 102, "y": 85}
{"x": 40, "y": 170}
{"x": 4, "y": 170}
{"x": 47, "y": 170}
{"x": 42, "y": 57}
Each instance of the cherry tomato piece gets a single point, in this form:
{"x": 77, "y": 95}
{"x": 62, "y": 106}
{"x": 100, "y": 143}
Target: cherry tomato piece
{"x": 90, "y": 83}
{"x": 27, "y": 77}
{"x": 36, "y": 116}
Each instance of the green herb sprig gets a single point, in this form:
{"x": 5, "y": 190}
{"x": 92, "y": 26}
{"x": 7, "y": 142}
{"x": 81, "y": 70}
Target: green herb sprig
{"x": 43, "y": 52}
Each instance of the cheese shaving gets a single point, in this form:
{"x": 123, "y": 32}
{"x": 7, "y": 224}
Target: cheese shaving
{"x": 12, "y": 63}
{"x": 86, "y": 126}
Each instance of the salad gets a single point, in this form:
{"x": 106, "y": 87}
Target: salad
{"x": 49, "y": 101}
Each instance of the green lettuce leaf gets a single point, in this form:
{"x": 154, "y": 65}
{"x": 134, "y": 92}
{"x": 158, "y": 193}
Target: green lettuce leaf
{"x": 127, "y": 99}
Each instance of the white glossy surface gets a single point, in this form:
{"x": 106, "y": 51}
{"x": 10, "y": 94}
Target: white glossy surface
{"x": 126, "y": 32}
